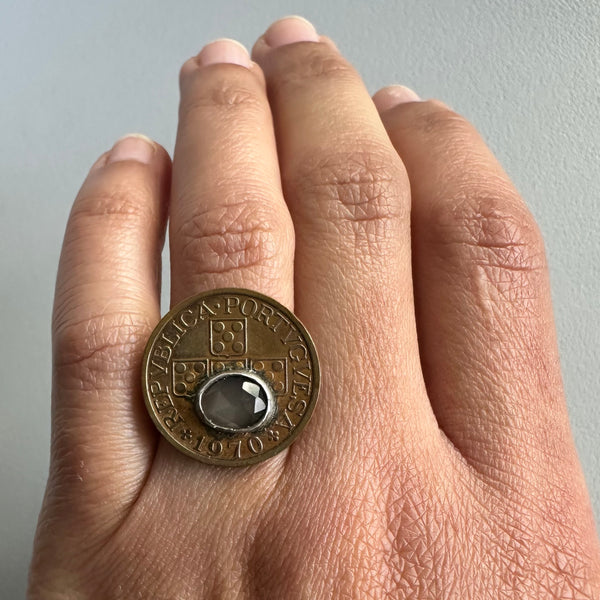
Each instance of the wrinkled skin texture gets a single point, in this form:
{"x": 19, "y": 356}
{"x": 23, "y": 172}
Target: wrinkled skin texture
{"x": 439, "y": 461}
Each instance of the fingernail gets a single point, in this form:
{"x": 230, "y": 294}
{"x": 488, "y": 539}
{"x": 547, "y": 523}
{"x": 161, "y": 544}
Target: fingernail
{"x": 224, "y": 50}
{"x": 290, "y": 30}
{"x": 393, "y": 95}
{"x": 133, "y": 146}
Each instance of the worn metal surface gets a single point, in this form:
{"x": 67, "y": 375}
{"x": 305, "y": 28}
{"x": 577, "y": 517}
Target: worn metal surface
{"x": 221, "y": 330}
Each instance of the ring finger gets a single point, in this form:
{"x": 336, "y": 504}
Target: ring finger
{"x": 229, "y": 225}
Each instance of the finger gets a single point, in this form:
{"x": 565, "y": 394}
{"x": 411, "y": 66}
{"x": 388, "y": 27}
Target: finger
{"x": 229, "y": 222}
{"x": 485, "y": 322}
{"x": 106, "y": 304}
{"x": 349, "y": 197}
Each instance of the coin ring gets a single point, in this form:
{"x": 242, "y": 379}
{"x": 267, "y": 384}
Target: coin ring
{"x": 264, "y": 331}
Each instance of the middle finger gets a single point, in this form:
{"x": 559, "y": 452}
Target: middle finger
{"x": 229, "y": 225}
{"x": 349, "y": 196}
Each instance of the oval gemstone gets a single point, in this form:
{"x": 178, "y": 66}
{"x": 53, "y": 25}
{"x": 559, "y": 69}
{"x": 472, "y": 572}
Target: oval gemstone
{"x": 234, "y": 402}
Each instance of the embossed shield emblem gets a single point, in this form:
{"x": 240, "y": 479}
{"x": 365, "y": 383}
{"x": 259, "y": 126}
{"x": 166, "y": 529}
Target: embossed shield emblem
{"x": 186, "y": 374}
{"x": 228, "y": 337}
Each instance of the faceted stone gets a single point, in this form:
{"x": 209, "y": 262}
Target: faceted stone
{"x": 234, "y": 401}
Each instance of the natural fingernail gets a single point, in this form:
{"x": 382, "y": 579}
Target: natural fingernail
{"x": 133, "y": 146}
{"x": 224, "y": 51}
{"x": 393, "y": 95}
{"x": 290, "y": 30}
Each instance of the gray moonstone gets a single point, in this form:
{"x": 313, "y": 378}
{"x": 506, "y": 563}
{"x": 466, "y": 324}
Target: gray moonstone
{"x": 235, "y": 401}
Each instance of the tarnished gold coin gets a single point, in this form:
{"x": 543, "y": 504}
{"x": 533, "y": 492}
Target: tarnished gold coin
{"x": 230, "y": 377}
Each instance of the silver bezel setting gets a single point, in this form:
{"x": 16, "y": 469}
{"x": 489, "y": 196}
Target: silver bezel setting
{"x": 271, "y": 402}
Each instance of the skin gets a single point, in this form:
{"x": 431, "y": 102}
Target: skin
{"x": 439, "y": 462}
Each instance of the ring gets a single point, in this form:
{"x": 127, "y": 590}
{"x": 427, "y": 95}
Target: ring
{"x": 230, "y": 377}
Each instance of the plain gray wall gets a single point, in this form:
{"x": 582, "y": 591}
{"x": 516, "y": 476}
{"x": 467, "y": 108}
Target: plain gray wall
{"x": 77, "y": 75}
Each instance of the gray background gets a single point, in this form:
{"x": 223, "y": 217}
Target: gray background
{"x": 77, "y": 75}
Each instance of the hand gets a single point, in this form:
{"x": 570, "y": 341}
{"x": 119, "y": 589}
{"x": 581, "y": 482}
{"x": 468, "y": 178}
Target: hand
{"x": 439, "y": 461}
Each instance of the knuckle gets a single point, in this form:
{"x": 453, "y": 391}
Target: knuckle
{"x": 494, "y": 230}
{"x": 123, "y": 202}
{"x": 435, "y": 118}
{"x": 239, "y": 236}
{"x": 310, "y": 62}
{"x": 356, "y": 189}
{"x": 221, "y": 91}
{"x": 99, "y": 352}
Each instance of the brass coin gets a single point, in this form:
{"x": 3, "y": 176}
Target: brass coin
{"x": 230, "y": 377}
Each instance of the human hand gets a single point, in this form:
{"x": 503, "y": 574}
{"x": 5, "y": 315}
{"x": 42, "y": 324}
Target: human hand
{"x": 439, "y": 462}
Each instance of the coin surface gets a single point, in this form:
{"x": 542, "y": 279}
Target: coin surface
{"x": 230, "y": 377}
